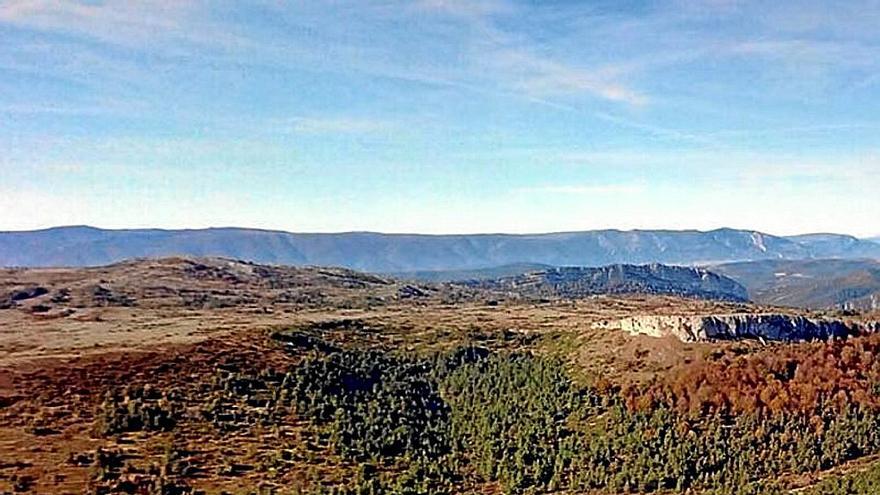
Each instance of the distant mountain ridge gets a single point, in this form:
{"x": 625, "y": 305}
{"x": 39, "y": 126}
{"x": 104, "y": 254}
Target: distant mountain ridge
{"x": 836, "y": 245}
{"x": 389, "y": 253}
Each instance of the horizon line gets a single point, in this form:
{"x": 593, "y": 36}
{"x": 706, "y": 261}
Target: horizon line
{"x": 376, "y": 232}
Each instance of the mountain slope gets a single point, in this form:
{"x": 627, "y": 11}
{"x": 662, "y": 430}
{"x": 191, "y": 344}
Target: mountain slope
{"x": 851, "y": 284}
{"x": 87, "y": 246}
{"x": 196, "y": 283}
{"x": 835, "y": 246}
{"x": 577, "y": 282}
{"x": 439, "y": 276}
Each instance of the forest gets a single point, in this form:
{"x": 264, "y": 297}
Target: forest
{"x": 455, "y": 420}
{"x": 443, "y": 422}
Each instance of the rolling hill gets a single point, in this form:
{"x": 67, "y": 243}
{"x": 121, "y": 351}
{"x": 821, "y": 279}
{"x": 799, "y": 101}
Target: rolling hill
{"x": 389, "y": 253}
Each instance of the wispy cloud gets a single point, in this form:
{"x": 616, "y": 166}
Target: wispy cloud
{"x": 131, "y": 21}
{"x": 856, "y": 171}
{"x": 807, "y": 52}
{"x": 100, "y": 107}
{"x": 465, "y": 8}
{"x": 161, "y": 27}
{"x": 503, "y": 57}
{"x": 545, "y": 78}
{"x": 585, "y": 189}
{"x": 655, "y": 130}
{"x": 339, "y": 125}
{"x": 794, "y": 130}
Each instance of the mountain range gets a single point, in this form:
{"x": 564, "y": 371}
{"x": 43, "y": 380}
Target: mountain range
{"x": 387, "y": 253}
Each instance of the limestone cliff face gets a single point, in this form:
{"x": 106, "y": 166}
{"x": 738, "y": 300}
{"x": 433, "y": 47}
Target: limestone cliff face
{"x": 771, "y": 327}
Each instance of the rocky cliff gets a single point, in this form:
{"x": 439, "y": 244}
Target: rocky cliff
{"x": 576, "y": 282}
{"x": 770, "y": 327}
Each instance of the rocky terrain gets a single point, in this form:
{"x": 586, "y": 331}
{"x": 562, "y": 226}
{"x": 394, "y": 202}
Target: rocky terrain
{"x": 845, "y": 284}
{"x": 391, "y": 253}
{"x": 760, "y": 326}
{"x": 577, "y": 282}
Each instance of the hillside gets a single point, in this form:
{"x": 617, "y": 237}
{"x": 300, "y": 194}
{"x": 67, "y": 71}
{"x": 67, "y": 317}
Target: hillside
{"x": 468, "y": 275}
{"x": 199, "y": 283}
{"x": 388, "y": 253}
{"x": 836, "y": 246}
{"x": 575, "y": 282}
{"x": 810, "y": 283}
{"x": 217, "y": 283}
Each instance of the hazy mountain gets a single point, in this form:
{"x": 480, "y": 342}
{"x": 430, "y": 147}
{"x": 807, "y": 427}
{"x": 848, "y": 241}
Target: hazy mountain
{"x": 835, "y": 246}
{"x": 809, "y": 283}
{"x": 87, "y": 246}
{"x": 575, "y": 282}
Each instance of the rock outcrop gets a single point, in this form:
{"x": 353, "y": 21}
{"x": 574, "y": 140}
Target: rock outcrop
{"x": 655, "y": 279}
{"x": 770, "y": 327}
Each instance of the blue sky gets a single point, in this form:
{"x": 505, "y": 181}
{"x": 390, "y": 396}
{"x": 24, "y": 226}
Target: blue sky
{"x": 441, "y": 116}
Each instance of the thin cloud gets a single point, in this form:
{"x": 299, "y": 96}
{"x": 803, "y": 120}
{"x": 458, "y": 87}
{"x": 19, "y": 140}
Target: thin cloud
{"x": 585, "y": 189}
{"x": 856, "y": 171}
{"x": 497, "y": 61}
{"x": 171, "y": 27}
{"x": 794, "y": 130}
{"x": 544, "y": 77}
{"x": 103, "y": 107}
{"x": 464, "y": 8}
{"x": 655, "y": 130}
{"x": 339, "y": 125}
{"x": 807, "y": 51}
{"x": 99, "y": 20}
{"x": 520, "y": 70}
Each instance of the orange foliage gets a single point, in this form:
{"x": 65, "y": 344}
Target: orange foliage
{"x": 799, "y": 378}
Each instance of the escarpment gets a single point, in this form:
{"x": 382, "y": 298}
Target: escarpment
{"x": 654, "y": 279}
{"x": 771, "y": 327}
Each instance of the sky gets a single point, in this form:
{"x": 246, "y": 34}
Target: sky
{"x": 441, "y": 116}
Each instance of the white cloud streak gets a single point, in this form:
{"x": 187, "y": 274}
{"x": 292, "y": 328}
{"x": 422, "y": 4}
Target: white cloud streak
{"x": 623, "y": 189}
{"x": 340, "y": 125}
